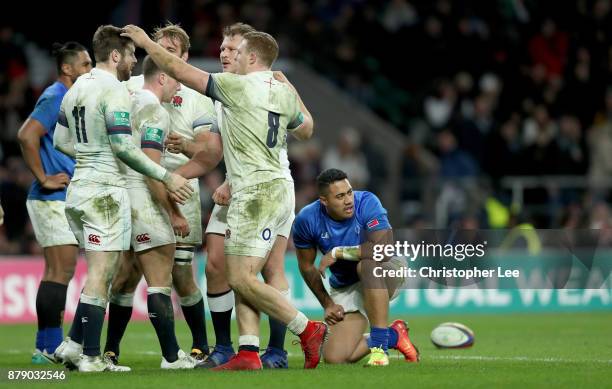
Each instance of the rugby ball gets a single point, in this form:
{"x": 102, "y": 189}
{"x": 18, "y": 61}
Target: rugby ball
{"x": 452, "y": 335}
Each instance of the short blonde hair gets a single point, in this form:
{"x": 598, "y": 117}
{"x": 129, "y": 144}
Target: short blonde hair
{"x": 237, "y": 29}
{"x": 263, "y": 44}
{"x": 173, "y": 32}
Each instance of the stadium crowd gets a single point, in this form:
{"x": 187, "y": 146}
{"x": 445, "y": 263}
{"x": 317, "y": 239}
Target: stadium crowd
{"x": 482, "y": 89}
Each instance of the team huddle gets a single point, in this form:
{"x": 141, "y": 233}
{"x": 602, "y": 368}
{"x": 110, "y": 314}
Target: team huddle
{"x": 117, "y": 158}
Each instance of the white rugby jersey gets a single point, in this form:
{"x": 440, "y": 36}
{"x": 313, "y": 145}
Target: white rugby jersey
{"x": 256, "y": 113}
{"x": 97, "y": 105}
{"x": 189, "y": 112}
{"x": 150, "y": 123}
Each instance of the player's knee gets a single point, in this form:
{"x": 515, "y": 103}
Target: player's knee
{"x": 241, "y": 283}
{"x": 125, "y": 285}
{"x": 184, "y": 289}
{"x": 60, "y": 275}
{"x": 215, "y": 269}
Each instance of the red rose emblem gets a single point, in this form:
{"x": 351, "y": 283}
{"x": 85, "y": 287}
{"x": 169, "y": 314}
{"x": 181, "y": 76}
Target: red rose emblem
{"x": 177, "y": 101}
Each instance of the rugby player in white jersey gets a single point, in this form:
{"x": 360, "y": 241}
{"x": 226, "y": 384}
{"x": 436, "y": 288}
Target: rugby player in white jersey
{"x": 257, "y": 111}
{"x": 191, "y": 117}
{"x": 153, "y": 239}
{"x": 220, "y": 295}
{"x": 94, "y": 127}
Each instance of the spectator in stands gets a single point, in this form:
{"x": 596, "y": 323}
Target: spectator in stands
{"x": 549, "y": 48}
{"x": 347, "y": 157}
{"x": 454, "y": 162}
{"x": 571, "y": 150}
{"x": 600, "y": 147}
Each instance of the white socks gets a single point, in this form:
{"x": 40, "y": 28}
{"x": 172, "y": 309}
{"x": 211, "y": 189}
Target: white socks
{"x": 298, "y": 324}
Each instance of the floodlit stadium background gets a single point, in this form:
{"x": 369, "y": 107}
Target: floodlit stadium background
{"x": 467, "y": 114}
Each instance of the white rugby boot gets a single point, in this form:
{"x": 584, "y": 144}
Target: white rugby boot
{"x": 184, "y": 361}
{"x": 69, "y": 353}
{"x": 90, "y": 364}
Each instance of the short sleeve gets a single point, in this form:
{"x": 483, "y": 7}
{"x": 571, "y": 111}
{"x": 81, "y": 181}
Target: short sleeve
{"x": 116, "y": 110}
{"x": 61, "y": 117}
{"x": 205, "y": 116}
{"x": 373, "y": 216}
{"x": 303, "y": 237}
{"x": 46, "y": 111}
{"x": 153, "y": 133}
{"x": 297, "y": 117}
{"x": 225, "y": 87}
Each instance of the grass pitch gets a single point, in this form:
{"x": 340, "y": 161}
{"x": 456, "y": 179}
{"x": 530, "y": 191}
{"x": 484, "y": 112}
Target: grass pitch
{"x": 527, "y": 350}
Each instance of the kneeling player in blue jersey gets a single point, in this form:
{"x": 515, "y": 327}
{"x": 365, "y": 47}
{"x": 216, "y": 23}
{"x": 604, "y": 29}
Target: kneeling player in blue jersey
{"x": 344, "y": 225}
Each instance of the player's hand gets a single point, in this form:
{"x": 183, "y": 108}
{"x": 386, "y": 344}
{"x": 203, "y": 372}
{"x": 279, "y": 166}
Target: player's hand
{"x": 334, "y": 313}
{"x": 222, "y": 195}
{"x": 179, "y": 225}
{"x": 56, "y": 181}
{"x": 326, "y": 262}
{"x": 136, "y": 34}
{"x": 280, "y": 76}
{"x": 179, "y": 188}
{"x": 175, "y": 143}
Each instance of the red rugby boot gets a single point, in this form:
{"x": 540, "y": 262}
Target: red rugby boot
{"x": 404, "y": 345}
{"x": 244, "y": 360}
{"x": 312, "y": 340}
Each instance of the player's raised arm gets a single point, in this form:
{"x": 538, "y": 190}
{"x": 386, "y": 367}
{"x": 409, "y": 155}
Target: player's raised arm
{"x": 175, "y": 67}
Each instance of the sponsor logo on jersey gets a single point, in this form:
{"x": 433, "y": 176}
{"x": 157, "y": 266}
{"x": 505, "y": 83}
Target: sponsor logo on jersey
{"x": 153, "y": 135}
{"x": 177, "y": 101}
{"x": 143, "y": 238}
{"x": 373, "y": 223}
{"x": 94, "y": 239}
{"x": 121, "y": 118}
{"x": 325, "y": 235}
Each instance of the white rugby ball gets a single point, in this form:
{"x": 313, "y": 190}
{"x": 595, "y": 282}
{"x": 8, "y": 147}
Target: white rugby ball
{"x": 452, "y": 335}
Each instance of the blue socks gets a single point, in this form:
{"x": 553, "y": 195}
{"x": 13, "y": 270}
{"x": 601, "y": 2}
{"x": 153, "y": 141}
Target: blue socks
{"x": 53, "y": 338}
{"x": 40, "y": 339}
{"x": 384, "y": 338}
{"x": 48, "y": 339}
{"x": 379, "y": 337}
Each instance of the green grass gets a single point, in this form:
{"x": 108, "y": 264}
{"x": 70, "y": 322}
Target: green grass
{"x": 526, "y": 350}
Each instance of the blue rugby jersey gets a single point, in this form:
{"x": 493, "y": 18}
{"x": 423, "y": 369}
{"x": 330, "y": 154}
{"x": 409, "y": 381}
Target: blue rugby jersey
{"x": 46, "y": 112}
{"x": 314, "y": 228}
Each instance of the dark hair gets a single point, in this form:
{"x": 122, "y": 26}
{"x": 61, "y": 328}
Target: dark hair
{"x": 106, "y": 39}
{"x": 149, "y": 67}
{"x": 328, "y": 177}
{"x": 264, "y": 45}
{"x": 65, "y": 53}
{"x": 237, "y": 29}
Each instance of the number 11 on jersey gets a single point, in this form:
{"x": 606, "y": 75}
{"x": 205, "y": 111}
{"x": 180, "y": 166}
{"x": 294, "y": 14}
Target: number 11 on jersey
{"x": 79, "y": 122}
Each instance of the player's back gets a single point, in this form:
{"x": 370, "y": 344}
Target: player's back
{"x": 256, "y": 115}
{"x": 95, "y": 107}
